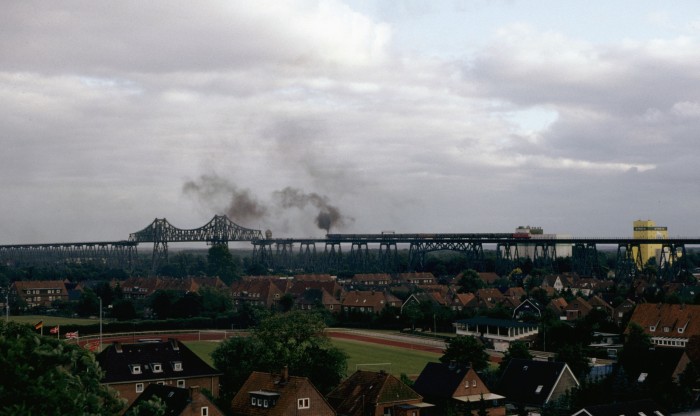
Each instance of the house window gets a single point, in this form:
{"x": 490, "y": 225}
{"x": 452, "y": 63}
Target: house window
{"x": 473, "y": 383}
{"x": 666, "y": 329}
{"x": 265, "y": 403}
{"x": 139, "y": 387}
{"x": 303, "y": 403}
{"x": 177, "y": 366}
{"x": 205, "y": 411}
{"x": 387, "y": 411}
{"x": 252, "y": 401}
{"x": 181, "y": 384}
{"x": 161, "y": 383}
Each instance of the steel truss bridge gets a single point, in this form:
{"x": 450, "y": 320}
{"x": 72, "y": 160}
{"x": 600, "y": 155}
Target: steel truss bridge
{"x": 380, "y": 252}
{"x": 361, "y": 253}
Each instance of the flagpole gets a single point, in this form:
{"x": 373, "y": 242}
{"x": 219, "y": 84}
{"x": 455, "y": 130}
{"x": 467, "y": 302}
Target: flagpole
{"x": 100, "y": 325}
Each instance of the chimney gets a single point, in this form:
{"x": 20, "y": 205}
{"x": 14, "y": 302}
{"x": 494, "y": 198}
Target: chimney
{"x": 118, "y": 347}
{"x": 194, "y": 391}
{"x": 284, "y": 376}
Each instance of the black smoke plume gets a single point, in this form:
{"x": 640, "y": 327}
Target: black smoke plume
{"x": 328, "y": 216}
{"x": 241, "y": 205}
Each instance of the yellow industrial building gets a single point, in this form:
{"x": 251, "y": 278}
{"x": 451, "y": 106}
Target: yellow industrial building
{"x": 648, "y": 230}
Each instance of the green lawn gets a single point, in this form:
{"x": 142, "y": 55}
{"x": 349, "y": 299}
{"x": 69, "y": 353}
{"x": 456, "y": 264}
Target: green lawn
{"x": 392, "y": 359}
{"x": 203, "y": 349}
{"x": 401, "y": 360}
{"x": 50, "y": 321}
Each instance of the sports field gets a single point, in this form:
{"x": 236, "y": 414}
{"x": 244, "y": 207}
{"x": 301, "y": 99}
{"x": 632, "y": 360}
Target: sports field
{"x": 361, "y": 355}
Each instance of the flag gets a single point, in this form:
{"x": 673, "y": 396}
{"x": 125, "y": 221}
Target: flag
{"x": 39, "y": 325}
{"x": 72, "y": 335}
{"x": 54, "y": 330}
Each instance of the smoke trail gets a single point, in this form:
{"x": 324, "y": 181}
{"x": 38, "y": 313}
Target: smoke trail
{"x": 240, "y": 204}
{"x": 328, "y": 216}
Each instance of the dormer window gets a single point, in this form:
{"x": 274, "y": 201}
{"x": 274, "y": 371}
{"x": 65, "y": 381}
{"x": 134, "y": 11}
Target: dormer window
{"x": 680, "y": 330}
{"x": 135, "y": 368}
{"x": 177, "y": 366}
{"x": 652, "y": 328}
{"x": 157, "y": 368}
{"x": 667, "y": 329}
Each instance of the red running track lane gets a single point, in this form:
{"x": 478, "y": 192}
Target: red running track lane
{"x": 381, "y": 341}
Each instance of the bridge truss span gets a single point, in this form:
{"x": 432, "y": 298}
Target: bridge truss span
{"x": 218, "y": 231}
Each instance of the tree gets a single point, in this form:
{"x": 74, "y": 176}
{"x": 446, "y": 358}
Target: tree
{"x": 635, "y": 351}
{"x": 46, "y": 376}
{"x": 293, "y": 339}
{"x": 220, "y": 262}
{"x": 470, "y": 282}
{"x": 123, "y": 310}
{"x": 466, "y": 350}
{"x": 575, "y": 356}
{"x": 88, "y": 304}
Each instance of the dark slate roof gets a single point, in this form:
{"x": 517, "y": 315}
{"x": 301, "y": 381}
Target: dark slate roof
{"x": 635, "y": 408}
{"x": 662, "y": 363}
{"x": 117, "y": 361}
{"x": 521, "y": 380}
{"x": 175, "y": 399}
{"x": 505, "y": 323}
{"x": 440, "y": 380}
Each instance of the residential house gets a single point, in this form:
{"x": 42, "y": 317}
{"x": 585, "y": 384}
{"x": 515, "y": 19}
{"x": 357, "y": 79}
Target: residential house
{"x": 313, "y": 298}
{"x": 178, "y": 401}
{"x": 417, "y": 278}
{"x": 622, "y": 310}
{"x": 600, "y": 304}
{"x": 667, "y": 325}
{"x": 528, "y": 307}
{"x": 142, "y": 287}
{"x": 368, "y": 301}
{"x": 332, "y": 287}
{"x": 369, "y": 393}
{"x": 489, "y": 278}
{"x": 267, "y": 394}
{"x": 578, "y": 308}
{"x": 556, "y": 282}
{"x": 516, "y": 293}
{"x": 130, "y": 368}
{"x": 500, "y": 332}
{"x": 489, "y": 297}
{"x": 558, "y": 307}
{"x": 372, "y": 280}
{"x": 256, "y": 292}
{"x": 463, "y": 301}
{"x": 314, "y": 278}
{"x": 38, "y": 293}
{"x": 530, "y": 384}
{"x": 645, "y": 407}
{"x": 421, "y": 297}
{"x": 454, "y": 386}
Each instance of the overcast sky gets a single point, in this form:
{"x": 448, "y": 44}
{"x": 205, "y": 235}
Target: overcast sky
{"x": 411, "y": 116}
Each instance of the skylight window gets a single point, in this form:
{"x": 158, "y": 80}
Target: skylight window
{"x": 539, "y": 389}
